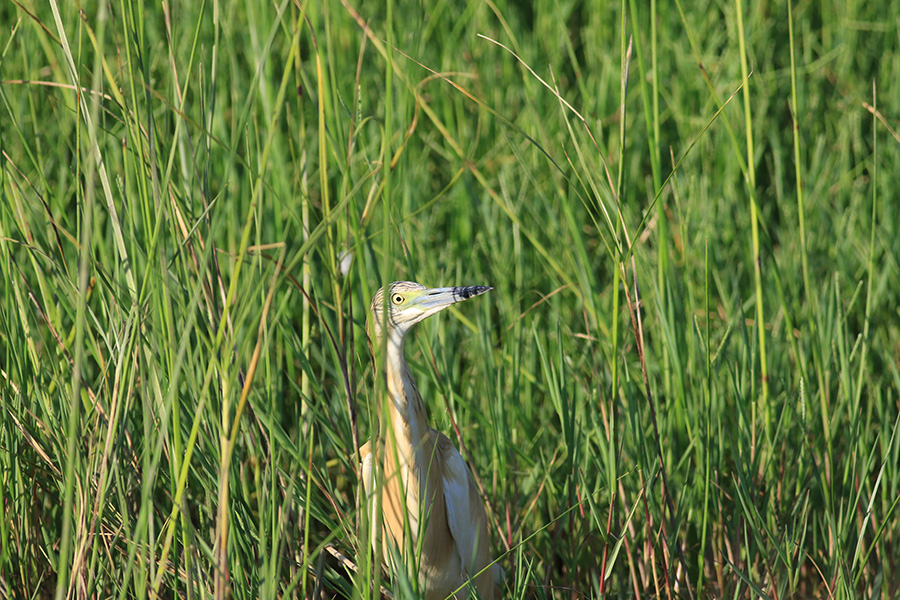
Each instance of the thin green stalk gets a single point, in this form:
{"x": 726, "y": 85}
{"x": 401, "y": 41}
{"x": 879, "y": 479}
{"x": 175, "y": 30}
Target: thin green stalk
{"x": 707, "y": 441}
{"x": 870, "y": 266}
{"x": 798, "y": 172}
{"x": 73, "y": 429}
{"x": 651, "y": 120}
{"x": 754, "y": 228}
{"x": 381, "y": 441}
{"x": 811, "y": 298}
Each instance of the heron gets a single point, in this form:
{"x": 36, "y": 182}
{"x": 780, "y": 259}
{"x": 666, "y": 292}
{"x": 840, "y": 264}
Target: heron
{"x": 429, "y": 500}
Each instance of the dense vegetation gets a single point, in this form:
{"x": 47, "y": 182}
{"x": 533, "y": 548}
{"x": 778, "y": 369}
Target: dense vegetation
{"x": 684, "y": 384}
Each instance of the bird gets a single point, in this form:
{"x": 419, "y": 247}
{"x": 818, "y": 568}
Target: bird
{"x": 429, "y": 500}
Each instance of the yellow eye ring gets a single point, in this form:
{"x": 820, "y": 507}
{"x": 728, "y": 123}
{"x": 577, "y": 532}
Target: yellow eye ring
{"x": 397, "y": 299}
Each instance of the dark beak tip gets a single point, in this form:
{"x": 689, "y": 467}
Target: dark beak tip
{"x": 470, "y": 291}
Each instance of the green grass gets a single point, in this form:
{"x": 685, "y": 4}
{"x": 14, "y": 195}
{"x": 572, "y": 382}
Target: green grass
{"x": 188, "y": 247}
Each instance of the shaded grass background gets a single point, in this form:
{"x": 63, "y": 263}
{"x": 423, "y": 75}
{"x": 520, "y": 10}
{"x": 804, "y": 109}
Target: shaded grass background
{"x": 189, "y": 246}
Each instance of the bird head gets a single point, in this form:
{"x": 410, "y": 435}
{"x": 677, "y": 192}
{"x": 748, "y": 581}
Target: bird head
{"x": 409, "y": 302}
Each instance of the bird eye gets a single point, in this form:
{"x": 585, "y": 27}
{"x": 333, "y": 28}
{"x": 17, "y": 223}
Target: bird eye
{"x": 397, "y": 299}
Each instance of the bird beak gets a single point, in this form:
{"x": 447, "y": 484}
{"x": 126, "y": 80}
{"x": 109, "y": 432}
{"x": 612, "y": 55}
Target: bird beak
{"x": 435, "y": 299}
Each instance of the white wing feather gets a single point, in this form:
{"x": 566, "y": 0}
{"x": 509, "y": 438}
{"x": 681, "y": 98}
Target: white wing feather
{"x": 368, "y": 477}
{"x": 456, "y": 497}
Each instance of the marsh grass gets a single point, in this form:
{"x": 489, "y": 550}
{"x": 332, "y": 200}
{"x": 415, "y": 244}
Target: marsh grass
{"x": 684, "y": 384}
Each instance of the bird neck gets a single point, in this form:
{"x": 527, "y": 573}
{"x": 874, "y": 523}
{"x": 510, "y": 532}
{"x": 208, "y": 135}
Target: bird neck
{"x": 408, "y": 417}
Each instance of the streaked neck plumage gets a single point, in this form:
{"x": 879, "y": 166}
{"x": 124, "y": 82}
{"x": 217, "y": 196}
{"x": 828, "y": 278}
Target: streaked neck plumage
{"x": 409, "y": 419}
